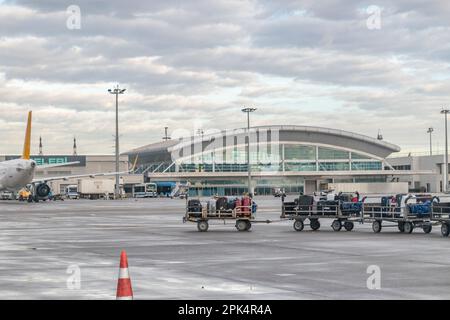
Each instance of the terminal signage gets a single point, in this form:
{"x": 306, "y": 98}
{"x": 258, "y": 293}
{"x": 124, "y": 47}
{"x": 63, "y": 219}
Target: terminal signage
{"x": 43, "y": 160}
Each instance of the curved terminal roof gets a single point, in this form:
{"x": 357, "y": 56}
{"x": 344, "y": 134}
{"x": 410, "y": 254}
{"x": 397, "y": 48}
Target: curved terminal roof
{"x": 338, "y": 133}
{"x": 286, "y": 134}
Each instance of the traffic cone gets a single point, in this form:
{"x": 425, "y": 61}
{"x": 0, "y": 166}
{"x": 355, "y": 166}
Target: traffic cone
{"x": 124, "y": 290}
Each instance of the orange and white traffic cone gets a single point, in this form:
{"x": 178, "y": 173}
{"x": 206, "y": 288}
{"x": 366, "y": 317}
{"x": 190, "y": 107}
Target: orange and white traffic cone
{"x": 124, "y": 290}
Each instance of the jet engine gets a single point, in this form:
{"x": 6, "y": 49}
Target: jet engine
{"x": 42, "y": 190}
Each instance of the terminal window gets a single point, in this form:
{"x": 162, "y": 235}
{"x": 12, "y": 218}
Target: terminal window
{"x": 368, "y": 165}
{"x": 310, "y": 166}
{"x": 299, "y": 152}
{"x": 402, "y": 167}
{"x": 332, "y": 154}
{"x": 334, "y": 166}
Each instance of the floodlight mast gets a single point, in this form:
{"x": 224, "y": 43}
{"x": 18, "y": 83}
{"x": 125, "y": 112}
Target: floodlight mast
{"x": 116, "y": 91}
{"x": 249, "y": 171}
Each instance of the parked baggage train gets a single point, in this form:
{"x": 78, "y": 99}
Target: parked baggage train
{"x": 406, "y": 211}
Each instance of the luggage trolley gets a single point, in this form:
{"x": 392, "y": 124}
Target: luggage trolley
{"x": 241, "y": 211}
{"x": 399, "y": 213}
{"x": 440, "y": 214}
{"x": 344, "y": 214}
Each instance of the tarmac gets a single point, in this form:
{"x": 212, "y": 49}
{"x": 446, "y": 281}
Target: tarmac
{"x": 71, "y": 249}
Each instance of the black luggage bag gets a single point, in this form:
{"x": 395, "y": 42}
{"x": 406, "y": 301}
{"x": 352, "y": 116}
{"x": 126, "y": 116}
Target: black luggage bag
{"x": 327, "y": 207}
{"x": 222, "y": 204}
{"x": 195, "y": 208}
{"x": 305, "y": 204}
{"x": 290, "y": 208}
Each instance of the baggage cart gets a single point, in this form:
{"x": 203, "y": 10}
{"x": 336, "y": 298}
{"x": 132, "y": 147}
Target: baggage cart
{"x": 440, "y": 214}
{"x": 242, "y": 215}
{"x": 400, "y": 214}
{"x": 343, "y": 214}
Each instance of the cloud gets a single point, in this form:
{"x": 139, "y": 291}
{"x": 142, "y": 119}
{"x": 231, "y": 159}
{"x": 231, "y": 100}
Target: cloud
{"x": 187, "y": 64}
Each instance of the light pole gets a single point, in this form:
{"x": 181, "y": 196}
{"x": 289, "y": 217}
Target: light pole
{"x": 200, "y": 132}
{"x": 249, "y": 171}
{"x": 166, "y": 135}
{"x": 430, "y": 131}
{"x": 445, "y": 171}
{"x": 201, "y": 166}
{"x": 117, "y": 91}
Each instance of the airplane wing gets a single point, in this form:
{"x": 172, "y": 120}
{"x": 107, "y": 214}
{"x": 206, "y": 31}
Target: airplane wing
{"x": 53, "y": 165}
{"x": 65, "y": 178}
{"x": 91, "y": 175}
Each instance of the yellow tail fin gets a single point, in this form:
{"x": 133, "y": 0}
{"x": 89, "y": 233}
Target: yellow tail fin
{"x": 27, "y": 144}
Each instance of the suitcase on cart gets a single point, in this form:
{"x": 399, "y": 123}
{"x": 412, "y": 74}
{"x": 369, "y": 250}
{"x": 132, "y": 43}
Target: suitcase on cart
{"x": 348, "y": 208}
{"x": 211, "y": 206}
{"x": 290, "y": 208}
{"x": 327, "y": 207}
{"x": 343, "y": 197}
{"x": 222, "y": 204}
{"x": 238, "y": 205}
{"x": 420, "y": 209}
{"x": 195, "y": 208}
{"x": 231, "y": 204}
{"x": 254, "y": 207}
{"x": 305, "y": 204}
{"x": 246, "y": 206}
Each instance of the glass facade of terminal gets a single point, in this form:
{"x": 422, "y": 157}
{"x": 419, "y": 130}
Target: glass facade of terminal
{"x": 287, "y": 158}
{"x": 278, "y": 157}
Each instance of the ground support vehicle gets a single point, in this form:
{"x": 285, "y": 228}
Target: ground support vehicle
{"x": 344, "y": 214}
{"x": 94, "y": 189}
{"x": 25, "y": 195}
{"x": 7, "y": 195}
{"x": 406, "y": 218}
{"x": 242, "y": 215}
{"x": 71, "y": 192}
{"x": 145, "y": 190}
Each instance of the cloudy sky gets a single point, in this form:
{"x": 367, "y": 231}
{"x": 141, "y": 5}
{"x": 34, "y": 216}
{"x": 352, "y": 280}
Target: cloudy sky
{"x": 193, "y": 64}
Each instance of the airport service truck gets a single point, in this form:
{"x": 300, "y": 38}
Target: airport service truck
{"x": 71, "y": 192}
{"x": 96, "y": 188}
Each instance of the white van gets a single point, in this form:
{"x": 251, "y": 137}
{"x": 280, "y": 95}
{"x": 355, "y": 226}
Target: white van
{"x": 71, "y": 192}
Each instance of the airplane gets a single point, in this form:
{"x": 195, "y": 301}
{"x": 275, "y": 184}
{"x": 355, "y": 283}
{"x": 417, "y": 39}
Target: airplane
{"x": 17, "y": 174}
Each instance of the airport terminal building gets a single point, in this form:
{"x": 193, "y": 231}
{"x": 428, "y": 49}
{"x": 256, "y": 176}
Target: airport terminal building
{"x": 432, "y": 182}
{"x": 296, "y": 158}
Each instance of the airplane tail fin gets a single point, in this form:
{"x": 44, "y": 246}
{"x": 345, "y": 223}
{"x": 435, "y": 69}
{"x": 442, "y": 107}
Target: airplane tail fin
{"x": 134, "y": 164}
{"x": 27, "y": 143}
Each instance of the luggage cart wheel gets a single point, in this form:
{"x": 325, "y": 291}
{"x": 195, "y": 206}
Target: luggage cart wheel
{"x": 298, "y": 225}
{"x": 249, "y": 225}
{"x": 445, "y": 229}
{"x": 348, "y": 225}
{"x": 401, "y": 226}
{"x": 376, "y": 226}
{"x": 408, "y": 226}
{"x": 336, "y": 225}
{"x": 202, "y": 226}
{"x": 427, "y": 228}
{"x": 314, "y": 224}
{"x": 241, "y": 225}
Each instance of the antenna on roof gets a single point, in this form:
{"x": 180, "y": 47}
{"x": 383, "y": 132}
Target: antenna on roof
{"x": 74, "y": 146}
{"x": 379, "y": 136}
{"x": 200, "y": 132}
{"x": 166, "y": 136}
{"x": 40, "y": 146}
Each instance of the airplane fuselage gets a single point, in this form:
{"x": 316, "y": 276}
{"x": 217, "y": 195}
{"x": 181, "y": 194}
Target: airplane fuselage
{"x": 16, "y": 174}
